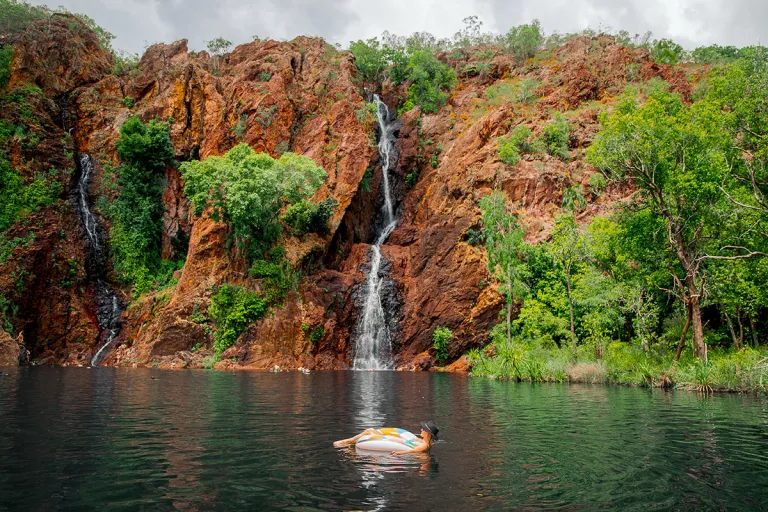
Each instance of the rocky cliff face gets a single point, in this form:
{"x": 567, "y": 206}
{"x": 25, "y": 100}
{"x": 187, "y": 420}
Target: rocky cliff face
{"x": 301, "y": 96}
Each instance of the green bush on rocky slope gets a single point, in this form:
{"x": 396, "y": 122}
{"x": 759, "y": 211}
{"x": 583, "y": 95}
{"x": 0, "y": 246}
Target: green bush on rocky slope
{"x": 247, "y": 190}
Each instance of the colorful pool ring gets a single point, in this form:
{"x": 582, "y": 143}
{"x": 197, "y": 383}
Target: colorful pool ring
{"x": 387, "y": 440}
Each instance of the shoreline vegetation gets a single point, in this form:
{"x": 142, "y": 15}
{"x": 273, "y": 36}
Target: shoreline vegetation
{"x": 745, "y": 371}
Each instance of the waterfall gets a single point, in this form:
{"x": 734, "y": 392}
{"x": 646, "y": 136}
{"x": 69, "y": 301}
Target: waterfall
{"x": 86, "y": 217}
{"x": 108, "y": 309}
{"x": 373, "y": 348}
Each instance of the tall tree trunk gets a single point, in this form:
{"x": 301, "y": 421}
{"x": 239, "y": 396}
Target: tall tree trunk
{"x": 733, "y": 331}
{"x": 570, "y": 307}
{"x": 509, "y": 305}
{"x": 754, "y": 331}
{"x": 699, "y": 345}
{"x": 741, "y": 330}
{"x": 685, "y": 332}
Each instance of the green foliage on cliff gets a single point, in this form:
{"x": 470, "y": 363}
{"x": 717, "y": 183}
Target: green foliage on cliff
{"x": 305, "y": 217}
{"x": 556, "y": 136}
{"x": 6, "y": 58}
{"x": 232, "y": 309}
{"x": 145, "y": 151}
{"x": 431, "y": 82}
{"x": 441, "y": 336}
{"x": 15, "y": 16}
{"x": 21, "y": 196}
{"x": 247, "y": 190}
{"x": 519, "y": 141}
{"x": 406, "y": 61}
{"x": 666, "y": 51}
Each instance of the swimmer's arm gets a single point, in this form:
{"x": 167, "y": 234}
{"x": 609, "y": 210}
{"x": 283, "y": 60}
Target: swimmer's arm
{"x": 421, "y": 448}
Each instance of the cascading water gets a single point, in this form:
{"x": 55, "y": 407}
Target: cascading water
{"x": 108, "y": 309}
{"x": 373, "y": 348}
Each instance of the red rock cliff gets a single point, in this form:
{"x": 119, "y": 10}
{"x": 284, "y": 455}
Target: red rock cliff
{"x": 301, "y": 96}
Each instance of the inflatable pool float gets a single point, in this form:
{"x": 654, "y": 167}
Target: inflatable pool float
{"x": 387, "y": 440}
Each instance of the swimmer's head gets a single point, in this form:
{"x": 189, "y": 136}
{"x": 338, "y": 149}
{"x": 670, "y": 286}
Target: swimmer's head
{"x": 430, "y": 427}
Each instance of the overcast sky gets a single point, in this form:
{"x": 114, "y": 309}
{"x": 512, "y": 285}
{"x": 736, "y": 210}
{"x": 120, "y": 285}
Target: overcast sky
{"x": 137, "y": 23}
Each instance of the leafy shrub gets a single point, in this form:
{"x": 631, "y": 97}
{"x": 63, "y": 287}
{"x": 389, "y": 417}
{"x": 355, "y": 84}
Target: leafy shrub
{"x": 264, "y": 115}
{"x": 264, "y": 76}
{"x": 21, "y": 197}
{"x": 666, "y": 51}
{"x": 440, "y": 338}
{"x": 597, "y": 184}
{"x": 210, "y": 361}
{"x": 365, "y": 182}
{"x": 277, "y": 278}
{"x": 282, "y": 147}
{"x": 247, "y": 190}
{"x": 241, "y": 126}
{"x": 316, "y": 335}
{"x": 486, "y": 54}
{"x": 526, "y": 90}
{"x": 125, "y": 63}
{"x": 474, "y": 236}
{"x": 431, "y": 80}
{"x": 523, "y": 41}
{"x": 128, "y": 102}
{"x": 411, "y": 179}
{"x": 517, "y": 142}
{"x": 232, "y": 309}
{"x": 556, "y": 137}
{"x": 573, "y": 199}
{"x": 304, "y": 217}
{"x": 6, "y": 58}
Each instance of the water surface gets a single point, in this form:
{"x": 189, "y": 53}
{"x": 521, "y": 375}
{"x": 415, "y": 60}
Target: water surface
{"x": 133, "y": 439}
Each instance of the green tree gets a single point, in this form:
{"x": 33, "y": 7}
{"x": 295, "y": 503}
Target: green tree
{"x": 740, "y": 91}
{"x": 504, "y": 239}
{"x": 247, "y": 190}
{"x": 370, "y": 59}
{"x": 431, "y": 81}
{"x": 676, "y": 155}
{"x": 666, "y": 51}
{"x": 568, "y": 249}
{"x": 523, "y": 41}
{"x": 218, "y": 48}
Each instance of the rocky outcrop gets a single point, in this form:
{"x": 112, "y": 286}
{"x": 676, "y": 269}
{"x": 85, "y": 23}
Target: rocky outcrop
{"x": 301, "y": 96}
{"x": 45, "y": 290}
{"x": 11, "y": 350}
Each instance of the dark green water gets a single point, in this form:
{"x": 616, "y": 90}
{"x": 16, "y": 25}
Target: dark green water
{"x": 83, "y": 439}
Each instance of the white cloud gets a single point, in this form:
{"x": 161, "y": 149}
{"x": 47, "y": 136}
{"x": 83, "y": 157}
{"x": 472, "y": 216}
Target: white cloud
{"x": 690, "y": 22}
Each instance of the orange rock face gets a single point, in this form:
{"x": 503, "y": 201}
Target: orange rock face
{"x": 302, "y": 96}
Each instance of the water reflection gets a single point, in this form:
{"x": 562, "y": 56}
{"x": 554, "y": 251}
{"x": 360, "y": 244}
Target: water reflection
{"x": 371, "y": 391}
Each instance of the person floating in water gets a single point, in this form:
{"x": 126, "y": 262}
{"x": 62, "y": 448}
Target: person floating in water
{"x": 383, "y": 439}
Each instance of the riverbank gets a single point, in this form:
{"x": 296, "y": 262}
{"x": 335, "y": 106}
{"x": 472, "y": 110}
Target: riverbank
{"x": 745, "y": 370}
